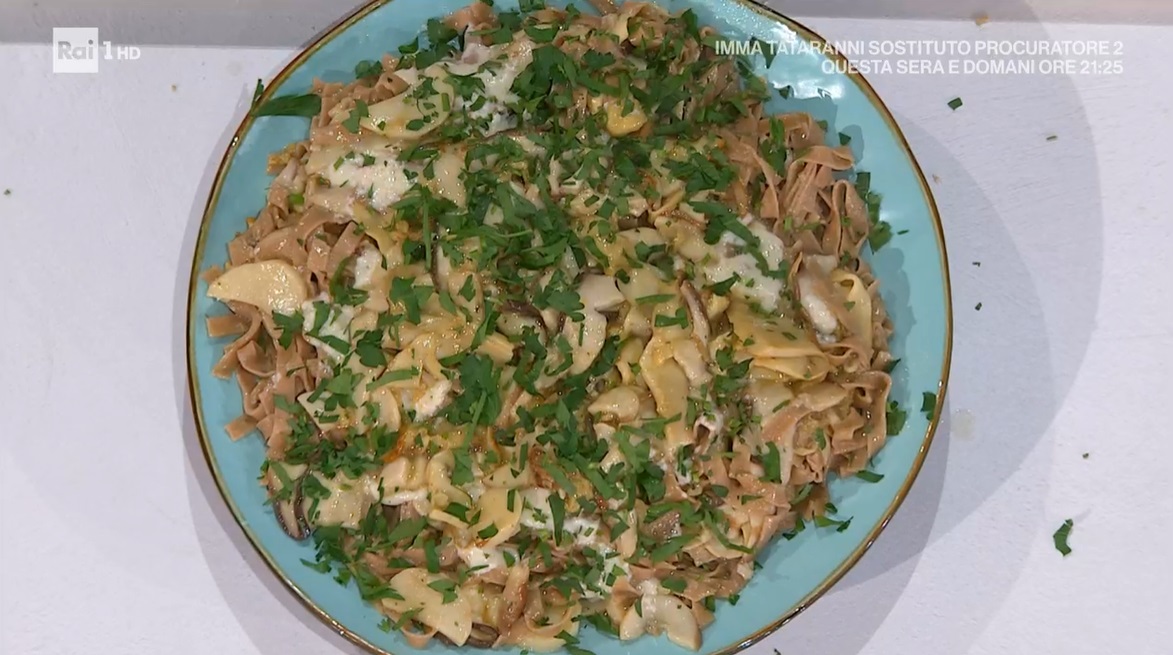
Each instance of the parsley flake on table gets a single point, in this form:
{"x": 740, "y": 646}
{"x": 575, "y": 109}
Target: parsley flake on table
{"x": 1061, "y": 535}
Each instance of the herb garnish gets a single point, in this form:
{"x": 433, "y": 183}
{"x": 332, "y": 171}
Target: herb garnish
{"x": 928, "y": 405}
{"x": 306, "y": 105}
{"x": 1061, "y": 535}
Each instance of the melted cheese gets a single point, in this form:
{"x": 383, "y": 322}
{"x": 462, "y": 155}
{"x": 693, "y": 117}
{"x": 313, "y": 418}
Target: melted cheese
{"x": 483, "y": 559}
{"x": 367, "y": 265}
{"x": 337, "y": 325}
{"x": 431, "y": 401}
{"x": 536, "y": 513}
{"x": 753, "y": 285}
{"x": 372, "y": 171}
{"x": 496, "y": 67}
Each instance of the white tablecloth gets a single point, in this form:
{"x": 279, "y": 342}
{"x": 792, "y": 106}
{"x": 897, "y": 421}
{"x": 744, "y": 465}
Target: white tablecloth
{"x": 114, "y": 540}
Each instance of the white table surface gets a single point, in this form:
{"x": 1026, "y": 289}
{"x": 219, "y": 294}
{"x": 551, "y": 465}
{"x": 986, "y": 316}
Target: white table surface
{"x": 114, "y": 540}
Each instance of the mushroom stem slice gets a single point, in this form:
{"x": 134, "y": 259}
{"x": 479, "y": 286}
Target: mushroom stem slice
{"x": 391, "y": 514}
{"x": 696, "y": 313}
{"x": 586, "y": 338}
{"x": 515, "y": 317}
{"x": 481, "y": 636}
{"x": 289, "y": 511}
{"x": 600, "y": 292}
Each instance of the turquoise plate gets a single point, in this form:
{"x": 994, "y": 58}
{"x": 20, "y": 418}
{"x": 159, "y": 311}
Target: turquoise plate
{"x": 912, "y": 271}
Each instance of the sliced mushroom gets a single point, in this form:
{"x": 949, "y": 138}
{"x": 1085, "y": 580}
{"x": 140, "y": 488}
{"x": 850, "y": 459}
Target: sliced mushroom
{"x": 715, "y": 306}
{"x": 633, "y": 222}
{"x": 499, "y": 513}
{"x": 637, "y": 323}
{"x": 621, "y": 403}
{"x": 348, "y": 502}
{"x": 515, "y": 317}
{"x": 392, "y": 515}
{"x": 481, "y": 636}
{"x": 402, "y": 480}
{"x": 629, "y": 354}
{"x": 507, "y": 477}
{"x": 664, "y": 378}
{"x": 691, "y": 358}
{"x": 325, "y": 420}
{"x": 586, "y": 202}
{"x": 514, "y": 596}
{"x": 661, "y": 613}
{"x": 641, "y": 283}
{"x": 497, "y": 347}
{"x": 389, "y": 243}
{"x": 586, "y": 338}
{"x": 645, "y": 235}
{"x": 599, "y": 294}
{"x": 623, "y": 119}
{"x": 289, "y": 512}
{"x": 439, "y": 480}
{"x": 384, "y": 398}
{"x": 272, "y": 285}
{"x": 513, "y": 397}
{"x": 704, "y": 428}
{"x": 432, "y": 400}
{"x": 698, "y": 317}
{"x": 569, "y": 265}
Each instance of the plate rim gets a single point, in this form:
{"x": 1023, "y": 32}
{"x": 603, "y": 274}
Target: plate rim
{"x": 803, "y": 32}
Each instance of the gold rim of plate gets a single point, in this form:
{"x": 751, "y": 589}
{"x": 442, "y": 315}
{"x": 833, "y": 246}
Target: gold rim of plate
{"x": 803, "y": 32}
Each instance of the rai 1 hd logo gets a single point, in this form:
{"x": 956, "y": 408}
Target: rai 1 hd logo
{"x": 78, "y": 50}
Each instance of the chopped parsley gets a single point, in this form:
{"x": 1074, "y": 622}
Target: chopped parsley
{"x": 484, "y": 330}
{"x": 1061, "y": 535}
{"x": 771, "y": 464}
{"x": 359, "y": 112}
{"x": 290, "y": 326}
{"x": 869, "y": 476}
{"x": 368, "y": 68}
{"x": 896, "y": 418}
{"x": 928, "y": 405}
{"x": 306, "y": 105}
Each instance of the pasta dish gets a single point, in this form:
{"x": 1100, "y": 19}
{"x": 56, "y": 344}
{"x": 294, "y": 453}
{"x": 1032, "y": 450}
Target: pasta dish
{"x": 549, "y": 323}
